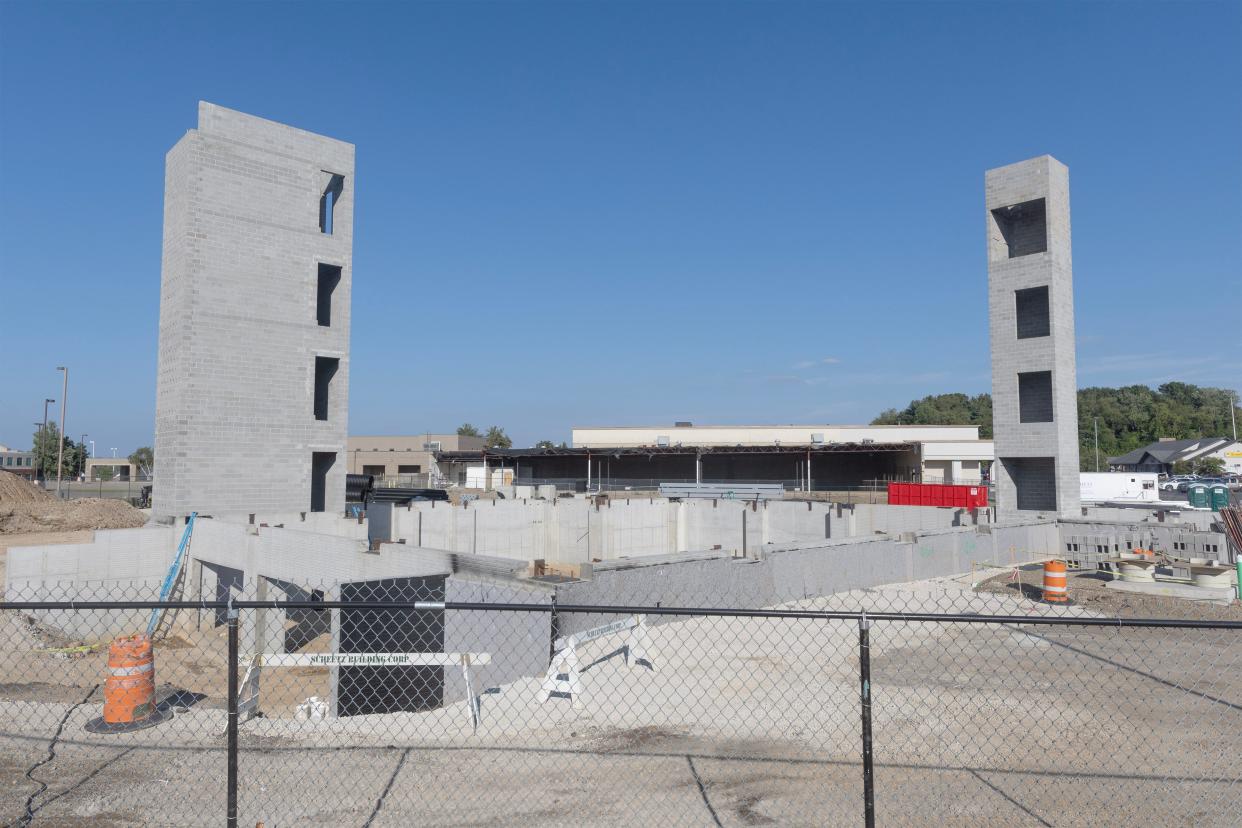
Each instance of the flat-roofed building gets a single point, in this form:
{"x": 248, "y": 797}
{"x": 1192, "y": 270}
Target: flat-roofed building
{"x": 406, "y": 459}
{"x": 935, "y": 454}
{"x": 20, "y": 463}
{"x": 799, "y": 457}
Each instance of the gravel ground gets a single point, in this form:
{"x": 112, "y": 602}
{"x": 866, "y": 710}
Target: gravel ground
{"x": 742, "y": 722}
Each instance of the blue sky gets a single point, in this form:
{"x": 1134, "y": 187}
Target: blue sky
{"x": 620, "y": 213}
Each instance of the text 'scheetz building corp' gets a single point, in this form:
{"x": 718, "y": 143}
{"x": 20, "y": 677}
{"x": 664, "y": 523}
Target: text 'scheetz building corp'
{"x": 252, "y": 393}
{"x": 1031, "y": 313}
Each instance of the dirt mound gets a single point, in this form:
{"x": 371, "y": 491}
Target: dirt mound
{"x": 51, "y": 515}
{"x": 15, "y": 490}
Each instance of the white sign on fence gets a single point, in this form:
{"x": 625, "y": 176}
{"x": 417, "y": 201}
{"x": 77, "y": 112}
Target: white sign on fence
{"x": 248, "y": 692}
{"x": 371, "y": 659}
{"x": 563, "y": 677}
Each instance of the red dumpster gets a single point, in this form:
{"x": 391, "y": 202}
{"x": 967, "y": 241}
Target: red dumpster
{"x": 937, "y": 495}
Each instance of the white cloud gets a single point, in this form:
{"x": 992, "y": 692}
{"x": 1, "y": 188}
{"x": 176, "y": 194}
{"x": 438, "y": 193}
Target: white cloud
{"x": 811, "y": 363}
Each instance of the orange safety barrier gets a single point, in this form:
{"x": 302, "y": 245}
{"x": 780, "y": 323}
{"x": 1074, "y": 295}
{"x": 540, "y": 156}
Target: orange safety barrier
{"x": 1055, "y": 583}
{"x": 129, "y": 690}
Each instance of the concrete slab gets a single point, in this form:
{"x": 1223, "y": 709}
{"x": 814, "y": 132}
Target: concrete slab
{"x": 1214, "y": 595}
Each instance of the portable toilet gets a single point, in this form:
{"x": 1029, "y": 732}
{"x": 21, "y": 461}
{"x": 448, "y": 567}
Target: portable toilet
{"x": 1197, "y": 493}
{"x": 1219, "y": 497}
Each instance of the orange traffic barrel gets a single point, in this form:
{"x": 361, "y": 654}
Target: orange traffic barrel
{"x": 1055, "y": 589}
{"x": 129, "y": 689}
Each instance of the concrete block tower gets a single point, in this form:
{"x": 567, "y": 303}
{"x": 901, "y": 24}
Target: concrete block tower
{"x": 1031, "y": 315}
{"x": 252, "y": 393}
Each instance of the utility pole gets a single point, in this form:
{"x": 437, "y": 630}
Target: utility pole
{"x": 60, "y": 449}
{"x": 1233, "y": 397}
{"x": 1097, "y": 443}
{"x": 42, "y": 430}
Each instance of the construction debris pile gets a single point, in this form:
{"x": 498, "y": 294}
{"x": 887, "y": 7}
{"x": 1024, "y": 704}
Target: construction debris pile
{"x": 26, "y": 508}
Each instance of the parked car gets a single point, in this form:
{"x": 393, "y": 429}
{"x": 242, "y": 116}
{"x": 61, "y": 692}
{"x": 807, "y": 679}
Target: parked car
{"x": 1171, "y": 484}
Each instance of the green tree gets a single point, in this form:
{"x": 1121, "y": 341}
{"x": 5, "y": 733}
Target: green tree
{"x": 545, "y": 444}
{"x": 46, "y": 448}
{"x": 496, "y": 438}
{"x": 467, "y": 430}
{"x": 104, "y": 473}
{"x": 143, "y": 460}
{"x": 1183, "y": 467}
{"x": 1128, "y": 418}
{"x": 1210, "y": 466}
{"x": 943, "y": 409}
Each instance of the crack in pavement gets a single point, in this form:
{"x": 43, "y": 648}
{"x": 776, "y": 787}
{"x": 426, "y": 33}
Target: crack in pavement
{"x": 30, "y": 811}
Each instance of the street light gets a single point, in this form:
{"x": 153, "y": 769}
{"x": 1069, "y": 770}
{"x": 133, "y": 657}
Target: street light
{"x": 114, "y": 452}
{"x": 60, "y": 453}
{"x": 43, "y": 431}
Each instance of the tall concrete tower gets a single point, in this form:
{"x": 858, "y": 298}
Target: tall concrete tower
{"x": 1031, "y": 314}
{"x": 252, "y": 392}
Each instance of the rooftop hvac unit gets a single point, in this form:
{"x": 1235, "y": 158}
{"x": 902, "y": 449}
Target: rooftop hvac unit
{"x": 662, "y": 441}
{"x": 867, "y": 441}
{"x": 817, "y": 438}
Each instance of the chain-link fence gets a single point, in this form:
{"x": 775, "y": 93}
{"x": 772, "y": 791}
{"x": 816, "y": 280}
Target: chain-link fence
{"x": 384, "y": 703}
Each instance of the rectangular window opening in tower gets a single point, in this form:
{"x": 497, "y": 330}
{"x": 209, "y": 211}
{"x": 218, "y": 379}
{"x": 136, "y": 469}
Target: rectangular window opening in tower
{"x": 329, "y": 278}
{"x": 327, "y": 202}
{"x": 1031, "y": 310}
{"x": 1019, "y": 230}
{"x": 325, "y": 370}
{"x": 1035, "y": 397}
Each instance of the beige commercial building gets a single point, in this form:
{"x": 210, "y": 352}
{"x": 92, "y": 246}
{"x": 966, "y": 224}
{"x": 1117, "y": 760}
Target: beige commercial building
{"x": 406, "y": 459}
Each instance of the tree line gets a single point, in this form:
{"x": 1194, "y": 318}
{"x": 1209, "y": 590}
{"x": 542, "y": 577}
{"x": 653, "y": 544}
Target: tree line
{"x": 1129, "y": 418}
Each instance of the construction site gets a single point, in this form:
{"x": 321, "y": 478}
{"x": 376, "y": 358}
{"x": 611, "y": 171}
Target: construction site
{"x": 300, "y": 648}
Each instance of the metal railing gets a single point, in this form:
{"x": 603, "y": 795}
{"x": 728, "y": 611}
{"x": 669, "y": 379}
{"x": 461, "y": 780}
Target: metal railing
{"x": 483, "y": 711}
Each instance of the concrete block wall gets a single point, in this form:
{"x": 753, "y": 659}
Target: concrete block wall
{"x": 1200, "y": 521}
{"x": 517, "y": 641}
{"x": 118, "y": 564}
{"x": 807, "y": 571}
{"x": 235, "y": 425}
{"x": 1087, "y": 541}
{"x": 577, "y": 531}
{"x": 1025, "y": 486}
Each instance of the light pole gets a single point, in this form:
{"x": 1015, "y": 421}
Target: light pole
{"x": 60, "y": 450}
{"x": 114, "y": 452}
{"x": 92, "y": 454}
{"x": 1233, "y": 403}
{"x": 43, "y": 431}
{"x": 1097, "y": 444}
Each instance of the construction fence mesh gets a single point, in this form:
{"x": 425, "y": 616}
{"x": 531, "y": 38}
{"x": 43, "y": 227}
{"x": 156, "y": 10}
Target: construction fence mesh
{"x": 383, "y": 703}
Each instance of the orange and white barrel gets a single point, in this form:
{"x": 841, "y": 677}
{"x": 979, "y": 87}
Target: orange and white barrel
{"x": 1056, "y": 590}
{"x": 129, "y": 689}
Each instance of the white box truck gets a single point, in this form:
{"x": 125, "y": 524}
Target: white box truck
{"x": 1118, "y": 487}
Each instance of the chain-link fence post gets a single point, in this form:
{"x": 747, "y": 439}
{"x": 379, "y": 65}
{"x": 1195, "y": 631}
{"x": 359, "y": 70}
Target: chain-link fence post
{"x": 864, "y": 677}
{"x": 232, "y": 726}
{"x": 556, "y": 630}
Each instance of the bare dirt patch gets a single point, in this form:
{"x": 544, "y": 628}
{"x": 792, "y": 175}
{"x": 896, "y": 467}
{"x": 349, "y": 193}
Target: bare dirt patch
{"x": 42, "y": 516}
{"x": 15, "y": 490}
{"x": 1088, "y": 590}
